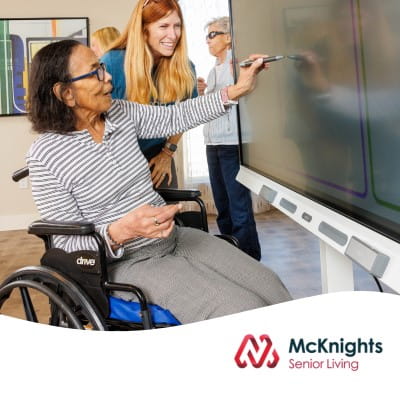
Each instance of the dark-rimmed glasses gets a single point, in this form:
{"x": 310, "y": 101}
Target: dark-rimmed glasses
{"x": 99, "y": 72}
{"x": 212, "y": 34}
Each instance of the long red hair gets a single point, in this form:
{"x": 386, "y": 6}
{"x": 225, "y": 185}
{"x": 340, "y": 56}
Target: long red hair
{"x": 173, "y": 78}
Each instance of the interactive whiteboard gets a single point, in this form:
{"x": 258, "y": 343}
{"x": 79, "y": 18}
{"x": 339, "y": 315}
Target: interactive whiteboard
{"x": 320, "y": 135}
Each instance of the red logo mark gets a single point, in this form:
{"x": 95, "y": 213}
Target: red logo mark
{"x": 252, "y": 350}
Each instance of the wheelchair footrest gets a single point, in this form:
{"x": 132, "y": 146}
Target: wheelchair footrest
{"x": 130, "y": 311}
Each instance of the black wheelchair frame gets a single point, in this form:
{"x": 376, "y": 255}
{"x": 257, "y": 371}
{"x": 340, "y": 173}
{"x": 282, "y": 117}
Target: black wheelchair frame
{"x": 77, "y": 283}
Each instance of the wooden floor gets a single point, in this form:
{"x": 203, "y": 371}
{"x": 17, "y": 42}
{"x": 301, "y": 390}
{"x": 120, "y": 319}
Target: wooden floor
{"x": 18, "y": 249}
{"x": 287, "y": 248}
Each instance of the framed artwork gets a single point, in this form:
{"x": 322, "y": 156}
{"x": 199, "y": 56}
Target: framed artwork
{"x": 20, "y": 39}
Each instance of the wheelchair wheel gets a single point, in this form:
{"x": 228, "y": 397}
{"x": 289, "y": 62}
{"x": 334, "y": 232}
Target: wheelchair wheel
{"x": 68, "y": 306}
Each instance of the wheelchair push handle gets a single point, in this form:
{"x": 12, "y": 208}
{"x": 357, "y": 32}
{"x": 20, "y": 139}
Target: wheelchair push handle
{"x": 20, "y": 174}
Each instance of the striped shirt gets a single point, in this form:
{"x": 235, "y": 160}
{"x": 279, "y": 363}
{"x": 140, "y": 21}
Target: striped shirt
{"x": 75, "y": 179}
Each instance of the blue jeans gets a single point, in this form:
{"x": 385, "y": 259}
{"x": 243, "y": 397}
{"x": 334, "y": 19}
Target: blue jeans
{"x": 232, "y": 199}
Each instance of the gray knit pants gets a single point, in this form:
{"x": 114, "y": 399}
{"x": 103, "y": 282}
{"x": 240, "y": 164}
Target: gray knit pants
{"x": 198, "y": 276}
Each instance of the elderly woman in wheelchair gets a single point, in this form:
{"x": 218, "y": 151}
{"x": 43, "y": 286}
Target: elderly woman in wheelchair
{"x": 87, "y": 166}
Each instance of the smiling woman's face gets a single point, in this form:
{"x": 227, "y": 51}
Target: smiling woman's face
{"x": 163, "y": 35}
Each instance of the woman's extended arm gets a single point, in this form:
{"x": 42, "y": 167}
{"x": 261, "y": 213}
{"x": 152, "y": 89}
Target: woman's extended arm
{"x": 154, "y": 121}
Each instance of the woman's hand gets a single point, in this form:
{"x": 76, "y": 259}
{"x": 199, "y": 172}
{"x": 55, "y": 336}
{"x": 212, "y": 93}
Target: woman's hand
{"x": 145, "y": 221}
{"x": 247, "y": 77}
{"x": 201, "y": 86}
{"x": 161, "y": 167}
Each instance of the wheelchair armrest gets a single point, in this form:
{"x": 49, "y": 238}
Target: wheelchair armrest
{"x": 179, "y": 194}
{"x": 43, "y": 227}
{"x": 20, "y": 174}
{"x": 175, "y": 195}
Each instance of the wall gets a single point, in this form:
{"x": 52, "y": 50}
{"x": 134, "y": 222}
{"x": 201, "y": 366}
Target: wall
{"x": 17, "y": 209}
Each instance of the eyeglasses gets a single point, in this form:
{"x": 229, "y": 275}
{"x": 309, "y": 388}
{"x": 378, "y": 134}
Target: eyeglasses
{"x": 99, "y": 72}
{"x": 212, "y": 34}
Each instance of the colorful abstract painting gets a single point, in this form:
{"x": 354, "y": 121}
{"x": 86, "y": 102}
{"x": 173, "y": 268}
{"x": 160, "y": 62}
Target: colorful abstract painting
{"x": 20, "y": 39}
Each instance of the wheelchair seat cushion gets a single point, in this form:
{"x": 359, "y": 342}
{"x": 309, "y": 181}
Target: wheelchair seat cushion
{"x": 130, "y": 311}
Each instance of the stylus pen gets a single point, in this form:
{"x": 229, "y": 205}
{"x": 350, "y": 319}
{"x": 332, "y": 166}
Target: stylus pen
{"x": 247, "y": 63}
{"x": 296, "y": 57}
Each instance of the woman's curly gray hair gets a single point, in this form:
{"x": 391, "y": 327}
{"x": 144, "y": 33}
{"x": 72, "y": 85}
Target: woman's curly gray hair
{"x": 222, "y": 22}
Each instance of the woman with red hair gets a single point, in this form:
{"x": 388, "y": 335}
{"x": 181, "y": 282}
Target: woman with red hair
{"x": 150, "y": 65}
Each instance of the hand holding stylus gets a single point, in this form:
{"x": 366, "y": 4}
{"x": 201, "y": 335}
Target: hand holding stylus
{"x": 246, "y": 81}
{"x": 247, "y": 63}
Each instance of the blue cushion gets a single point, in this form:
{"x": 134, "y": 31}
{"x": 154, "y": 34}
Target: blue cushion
{"x": 130, "y": 311}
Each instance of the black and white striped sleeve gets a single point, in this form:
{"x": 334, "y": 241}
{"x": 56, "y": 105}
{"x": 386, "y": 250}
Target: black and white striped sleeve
{"x": 156, "y": 121}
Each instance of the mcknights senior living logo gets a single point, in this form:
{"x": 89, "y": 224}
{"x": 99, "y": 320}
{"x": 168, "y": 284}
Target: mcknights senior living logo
{"x": 326, "y": 354}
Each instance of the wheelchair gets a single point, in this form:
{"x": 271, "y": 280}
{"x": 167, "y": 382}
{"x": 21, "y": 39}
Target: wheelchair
{"x": 77, "y": 285}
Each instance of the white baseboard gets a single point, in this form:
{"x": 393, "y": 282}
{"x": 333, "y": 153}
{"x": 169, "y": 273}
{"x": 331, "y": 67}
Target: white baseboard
{"x": 16, "y": 222}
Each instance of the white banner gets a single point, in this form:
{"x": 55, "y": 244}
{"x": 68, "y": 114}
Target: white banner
{"x": 331, "y": 346}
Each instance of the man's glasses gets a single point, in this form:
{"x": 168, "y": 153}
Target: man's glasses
{"x": 99, "y": 72}
{"x": 212, "y": 34}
